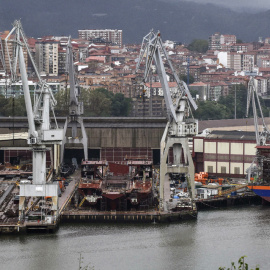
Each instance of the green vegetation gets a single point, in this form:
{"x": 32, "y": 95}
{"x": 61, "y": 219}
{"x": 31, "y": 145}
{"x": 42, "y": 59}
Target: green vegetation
{"x": 241, "y": 265}
{"x": 12, "y": 106}
{"x": 198, "y": 45}
{"x": 211, "y": 110}
{"x": 98, "y": 102}
{"x": 224, "y": 107}
{"x": 184, "y": 78}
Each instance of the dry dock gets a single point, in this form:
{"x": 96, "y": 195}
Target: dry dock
{"x": 9, "y": 191}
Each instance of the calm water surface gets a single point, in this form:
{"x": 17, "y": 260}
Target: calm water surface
{"x": 215, "y": 239}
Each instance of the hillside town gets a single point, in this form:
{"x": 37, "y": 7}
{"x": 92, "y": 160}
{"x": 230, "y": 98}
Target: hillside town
{"x": 103, "y": 61}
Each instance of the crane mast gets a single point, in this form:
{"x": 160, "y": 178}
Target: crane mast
{"x": 253, "y": 98}
{"x": 40, "y": 133}
{"x": 179, "y": 126}
{"x": 75, "y": 107}
{"x": 261, "y": 136}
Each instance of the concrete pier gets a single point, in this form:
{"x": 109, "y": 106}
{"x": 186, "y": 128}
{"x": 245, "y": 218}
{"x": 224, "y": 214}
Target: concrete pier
{"x": 127, "y": 217}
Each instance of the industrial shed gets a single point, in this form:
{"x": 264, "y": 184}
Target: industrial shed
{"x": 224, "y": 153}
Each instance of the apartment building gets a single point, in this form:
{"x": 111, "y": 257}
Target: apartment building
{"x": 157, "y": 89}
{"x": 264, "y": 62}
{"x": 248, "y": 61}
{"x": 7, "y": 50}
{"x": 227, "y": 39}
{"x": 234, "y": 61}
{"x": 262, "y": 85}
{"x": 110, "y": 35}
{"x": 241, "y": 61}
{"x": 47, "y": 56}
{"x": 146, "y": 107}
{"x": 242, "y": 47}
{"x": 217, "y": 40}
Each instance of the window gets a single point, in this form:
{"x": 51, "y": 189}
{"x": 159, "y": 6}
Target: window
{"x": 236, "y": 170}
{"x": 210, "y": 169}
{"x": 223, "y": 169}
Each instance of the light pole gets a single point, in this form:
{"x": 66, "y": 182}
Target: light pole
{"x": 235, "y": 101}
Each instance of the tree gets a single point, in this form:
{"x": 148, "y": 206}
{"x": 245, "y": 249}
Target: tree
{"x": 239, "y": 41}
{"x": 3, "y": 102}
{"x": 211, "y": 110}
{"x": 224, "y": 108}
{"x": 193, "y": 92}
{"x": 198, "y": 45}
{"x": 14, "y": 107}
{"x": 62, "y": 98}
{"x": 96, "y": 103}
{"x": 184, "y": 78}
{"x": 120, "y": 105}
{"x": 242, "y": 265}
{"x": 104, "y": 91}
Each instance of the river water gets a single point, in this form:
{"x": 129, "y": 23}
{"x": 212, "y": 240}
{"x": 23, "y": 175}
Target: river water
{"x": 215, "y": 239}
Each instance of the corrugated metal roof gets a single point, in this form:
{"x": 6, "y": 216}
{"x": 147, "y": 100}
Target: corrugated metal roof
{"x": 15, "y": 136}
{"x": 243, "y": 122}
{"x": 232, "y": 135}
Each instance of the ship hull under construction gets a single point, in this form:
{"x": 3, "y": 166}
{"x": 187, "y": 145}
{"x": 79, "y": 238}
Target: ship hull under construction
{"x": 262, "y": 191}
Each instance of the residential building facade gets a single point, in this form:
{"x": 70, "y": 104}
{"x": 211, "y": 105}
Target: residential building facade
{"x": 114, "y": 36}
{"x": 47, "y": 57}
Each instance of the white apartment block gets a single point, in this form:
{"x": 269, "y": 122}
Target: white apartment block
{"x": 114, "y": 36}
{"x": 261, "y": 84}
{"x": 47, "y": 57}
{"x": 234, "y": 61}
{"x": 240, "y": 61}
{"x": 248, "y": 61}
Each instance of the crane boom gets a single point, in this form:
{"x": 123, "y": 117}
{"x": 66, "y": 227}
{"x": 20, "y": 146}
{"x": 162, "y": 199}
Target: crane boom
{"x": 152, "y": 47}
{"x": 40, "y": 133}
{"x": 262, "y": 136}
{"x": 179, "y": 127}
{"x": 75, "y": 107}
{"x": 253, "y": 98}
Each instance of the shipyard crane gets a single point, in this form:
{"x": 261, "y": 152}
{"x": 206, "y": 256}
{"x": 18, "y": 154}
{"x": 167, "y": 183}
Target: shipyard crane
{"x": 40, "y": 133}
{"x": 75, "y": 107}
{"x": 179, "y": 127}
{"x": 2, "y": 57}
{"x": 261, "y": 136}
{"x": 253, "y": 97}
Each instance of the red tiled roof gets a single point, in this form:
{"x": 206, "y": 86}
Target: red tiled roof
{"x": 130, "y": 76}
{"x": 158, "y": 84}
{"x": 264, "y": 69}
{"x": 95, "y": 58}
{"x": 198, "y": 84}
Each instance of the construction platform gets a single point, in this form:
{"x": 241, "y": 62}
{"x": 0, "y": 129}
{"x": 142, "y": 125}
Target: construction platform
{"x": 9, "y": 221}
{"x": 227, "y": 201}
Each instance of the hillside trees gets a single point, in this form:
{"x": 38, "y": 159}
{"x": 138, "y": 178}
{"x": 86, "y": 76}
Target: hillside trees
{"x": 12, "y": 106}
{"x": 224, "y": 108}
{"x": 184, "y": 78}
{"x": 99, "y": 102}
{"x": 198, "y": 45}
